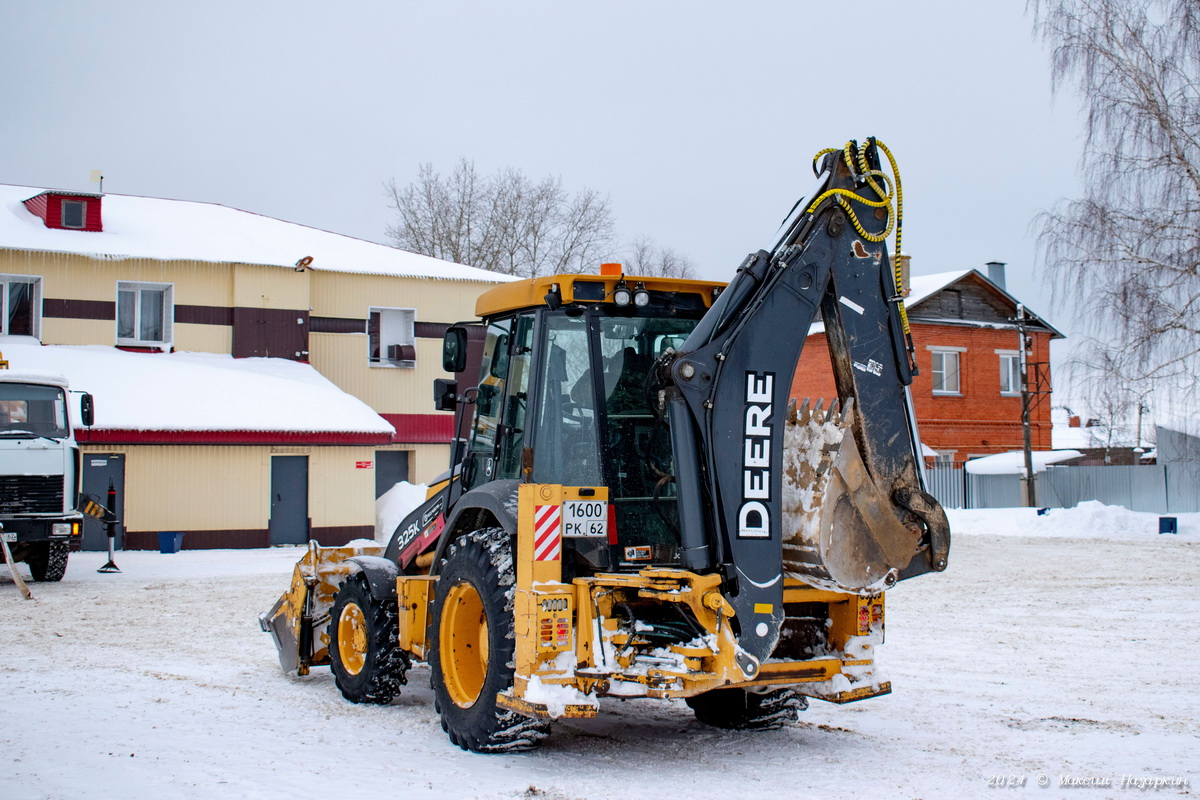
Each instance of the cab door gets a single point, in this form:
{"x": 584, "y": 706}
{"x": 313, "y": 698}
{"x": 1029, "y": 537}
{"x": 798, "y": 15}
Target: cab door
{"x": 498, "y": 431}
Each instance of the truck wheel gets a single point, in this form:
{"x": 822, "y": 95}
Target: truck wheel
{"x": 740, "y": 709}
{"x": 471, "y": 646}
{"x": 368, "y": 664}
{"x": 49, "y": 562}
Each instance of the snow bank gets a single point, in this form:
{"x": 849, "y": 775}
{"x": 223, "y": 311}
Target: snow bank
{"x": 197, "y": 391}
{"x": 394, "y": 505}
{"x": 1089, "y": 520}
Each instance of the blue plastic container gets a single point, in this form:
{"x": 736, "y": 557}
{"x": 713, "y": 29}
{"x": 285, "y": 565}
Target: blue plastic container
{"x": 1168, "y": 525}
{"x": 170, "y": 541}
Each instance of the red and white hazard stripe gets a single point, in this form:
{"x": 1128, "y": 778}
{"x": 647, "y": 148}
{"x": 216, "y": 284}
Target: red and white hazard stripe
{"x": 547, "y": 533}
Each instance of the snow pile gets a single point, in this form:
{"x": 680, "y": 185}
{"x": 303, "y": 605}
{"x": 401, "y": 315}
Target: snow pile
{"x": 1013, "y": 462}
{"x": 171, "y": 230}
{"x": 1089, "y": 520}
{"x": 394, "y": 505}
{"x": 197, "y": 391}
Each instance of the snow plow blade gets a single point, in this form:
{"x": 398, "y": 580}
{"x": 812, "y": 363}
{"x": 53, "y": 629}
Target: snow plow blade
{"x": 841, "y": 529}
{"x": 298, "y": 620}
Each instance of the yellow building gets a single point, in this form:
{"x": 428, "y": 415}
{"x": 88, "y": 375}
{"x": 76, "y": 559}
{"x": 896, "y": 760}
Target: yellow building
{"x": 163, "y": 282}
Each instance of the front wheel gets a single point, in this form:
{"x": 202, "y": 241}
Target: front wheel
{"x": 49, "y": 562}
{"x": 367, "y": 662}
{"x": 471, "y": 646}
{"x": 742, "y": 709}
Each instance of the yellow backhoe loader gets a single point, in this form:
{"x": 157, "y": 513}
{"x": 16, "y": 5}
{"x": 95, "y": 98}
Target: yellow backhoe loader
{"x": 633, "y": 506}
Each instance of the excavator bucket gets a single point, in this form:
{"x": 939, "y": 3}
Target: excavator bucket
{"x": 298, "y": 620}
{"x": 840, "y": 528}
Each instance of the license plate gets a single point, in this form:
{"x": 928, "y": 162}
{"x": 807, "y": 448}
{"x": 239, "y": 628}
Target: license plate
{"x": 8, "y": 536}
{"x": 585, "y": 518}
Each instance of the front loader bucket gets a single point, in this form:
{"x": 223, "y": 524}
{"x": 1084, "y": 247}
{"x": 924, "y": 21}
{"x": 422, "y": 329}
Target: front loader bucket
{"x": 841, "y": 531}
{"x": 298, "y": 619}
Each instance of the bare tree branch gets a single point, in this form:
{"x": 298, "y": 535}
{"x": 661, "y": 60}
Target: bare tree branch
{"x": 644, "y": 257}
{"x": 506, "y": 222}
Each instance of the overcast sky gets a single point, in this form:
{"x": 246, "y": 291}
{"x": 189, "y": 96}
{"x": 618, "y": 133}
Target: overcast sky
{"x": 697, "y": 120}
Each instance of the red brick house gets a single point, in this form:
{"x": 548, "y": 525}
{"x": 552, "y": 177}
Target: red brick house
{"x": 967, "y": 395}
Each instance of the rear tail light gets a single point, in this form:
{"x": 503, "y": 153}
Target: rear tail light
{"x": 612, "y": 524}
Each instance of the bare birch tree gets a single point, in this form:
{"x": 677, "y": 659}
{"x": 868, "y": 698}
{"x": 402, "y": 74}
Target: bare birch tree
{"x": 1128, "y": 250}
{"x": 505, "y": 222}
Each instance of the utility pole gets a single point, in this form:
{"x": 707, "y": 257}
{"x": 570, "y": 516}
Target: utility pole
{"x": 1026, "y": 407}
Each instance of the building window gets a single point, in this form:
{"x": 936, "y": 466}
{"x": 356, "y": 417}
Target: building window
{"x": 20, "y": 305}
{"x": 391, "y": 337}
{"x": 1010, "y": 373}
{"x": 145, "y": 314}
{"x": 74, "y": 214}
{"x": 946, "y": 372}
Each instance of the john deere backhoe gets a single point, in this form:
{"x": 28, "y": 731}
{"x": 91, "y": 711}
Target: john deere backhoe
{"x": 635, "y": 509}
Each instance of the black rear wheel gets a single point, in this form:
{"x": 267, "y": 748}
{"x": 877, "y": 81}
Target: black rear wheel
{"x": 48, "y": 562}
{"x": 746, "y": 710}
{"x": 471, "y": 646}
{"x": 368, "y": 664}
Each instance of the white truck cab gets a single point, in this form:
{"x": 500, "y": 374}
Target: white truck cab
{"x": 40, "y": 471}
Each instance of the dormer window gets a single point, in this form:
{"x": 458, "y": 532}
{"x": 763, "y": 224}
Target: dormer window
{"x": 73, "y": 211}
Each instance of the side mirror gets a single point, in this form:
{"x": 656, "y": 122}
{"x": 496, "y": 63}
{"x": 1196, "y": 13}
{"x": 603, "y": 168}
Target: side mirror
{"x": 454, "y": 350}
{"x": 445, "y": 394}
{"x": 87, "y": 410}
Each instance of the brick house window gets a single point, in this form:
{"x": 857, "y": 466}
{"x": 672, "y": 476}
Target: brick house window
{"x": 391, "y": 337}
{"x": 145, "y": 314}
{"x": 946, "y": 372}
{"x": 20, "y": 305}
{"x": 1010, "y": 372}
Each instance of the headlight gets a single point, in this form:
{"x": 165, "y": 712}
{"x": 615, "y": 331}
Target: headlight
{"x": 641, "y": 297}
{"x": 61, "y": 529}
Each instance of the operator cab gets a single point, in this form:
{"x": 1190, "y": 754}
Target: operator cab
{"x": 565, "y": 395}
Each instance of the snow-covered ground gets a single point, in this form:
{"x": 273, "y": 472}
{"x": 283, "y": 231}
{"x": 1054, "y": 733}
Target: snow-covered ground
{"x": 1056, "y": 646}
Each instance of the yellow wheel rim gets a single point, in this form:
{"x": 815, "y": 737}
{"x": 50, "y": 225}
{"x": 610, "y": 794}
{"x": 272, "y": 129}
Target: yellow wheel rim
{"x": 352, "y": 639}
{"x": 464, "y": 644}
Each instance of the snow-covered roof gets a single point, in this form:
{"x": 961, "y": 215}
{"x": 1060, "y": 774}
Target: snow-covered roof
{"x": 198, "y": 391}
{"x": 925, "y": 286}
{"x": 1063, "y": 436}
{"x": 1013, "y": 463}
{"x": 33, "y": 376}
{"x": 173, "y": 230}
{"x": 922, "y": 287}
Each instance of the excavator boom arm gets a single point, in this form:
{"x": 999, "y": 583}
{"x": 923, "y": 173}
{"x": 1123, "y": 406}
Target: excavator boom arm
{"x": 832, "y": 496}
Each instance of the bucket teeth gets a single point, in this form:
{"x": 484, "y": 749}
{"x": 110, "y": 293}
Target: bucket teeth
{"x": 838, "y": 414}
